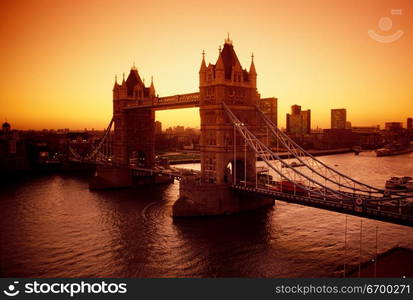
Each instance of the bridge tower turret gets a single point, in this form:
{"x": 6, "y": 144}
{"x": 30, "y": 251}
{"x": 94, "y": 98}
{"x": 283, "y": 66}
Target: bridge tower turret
{"x": 202, "y": 69}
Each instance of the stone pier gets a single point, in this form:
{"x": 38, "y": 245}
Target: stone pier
{"x": 206, "y": 199}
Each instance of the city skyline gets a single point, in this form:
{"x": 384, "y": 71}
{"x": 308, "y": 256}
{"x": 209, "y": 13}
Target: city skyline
{"x": 60, "y": 60}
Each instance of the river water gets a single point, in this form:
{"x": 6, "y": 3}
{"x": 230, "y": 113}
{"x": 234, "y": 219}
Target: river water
{"x": 53, "y": 226}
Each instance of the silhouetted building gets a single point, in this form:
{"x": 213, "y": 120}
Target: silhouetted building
{"x": 269, "y": 108}
{"x": 394, "y": 126}
{"x": 338, "y": 118}
{"x": 299, "y": 121}
{"x": 178, "y": 138}
{"x": 366, "y": 129}
{"x": 6, "y": 128}
{"x": 409, "y": 123}
{"x": 368, "y": 137}
{"x": 12, "y": 151}
{"x": 336, "y": 138}
{"x": 158, "y": 127}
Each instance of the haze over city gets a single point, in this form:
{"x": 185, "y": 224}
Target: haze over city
{"x": 59, "y": 59}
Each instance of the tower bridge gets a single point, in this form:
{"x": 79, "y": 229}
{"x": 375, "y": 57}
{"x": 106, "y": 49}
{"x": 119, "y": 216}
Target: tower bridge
{"x": 237, "y": 126}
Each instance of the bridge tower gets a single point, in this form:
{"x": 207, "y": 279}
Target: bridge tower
{"x": 134, "y": 134}
{"x": 227, "y": 82}
{"x": 223, "y": 152}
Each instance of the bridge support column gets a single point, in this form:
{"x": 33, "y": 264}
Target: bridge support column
{"x": 135, "y": 137}
{"x": 205, "y": 199}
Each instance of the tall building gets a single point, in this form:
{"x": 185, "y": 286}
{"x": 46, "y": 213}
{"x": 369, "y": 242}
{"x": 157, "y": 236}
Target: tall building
{"x": 299, "y": 121}
{"x": 393, "y": 126}
{"x": 409, "y": 123}
{"x": 338, "y": 118}
{"x": 269, "y": 108}
{"x": 158, "y": 127}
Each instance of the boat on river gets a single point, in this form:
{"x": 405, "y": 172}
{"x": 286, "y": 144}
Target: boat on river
{"x": 394, "y": 149}
{"x": 404, "y": 183}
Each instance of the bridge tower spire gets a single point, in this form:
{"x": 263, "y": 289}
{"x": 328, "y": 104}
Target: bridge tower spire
{"x": 116, "y": 82}
{"x": 219, "y": 68}
{"x": 253, "y": 73}
{"x": 202, "y": 69}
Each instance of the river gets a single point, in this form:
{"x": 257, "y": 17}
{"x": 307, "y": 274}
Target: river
{"x": 54, "y": 226}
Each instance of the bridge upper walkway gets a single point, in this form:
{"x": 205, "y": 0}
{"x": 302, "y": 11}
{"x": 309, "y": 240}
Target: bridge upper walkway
{"x": 170, "y": 102}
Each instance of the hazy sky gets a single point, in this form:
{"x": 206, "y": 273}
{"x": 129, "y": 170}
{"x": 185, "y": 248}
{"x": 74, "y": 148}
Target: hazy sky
{"x": 59, "y": 58}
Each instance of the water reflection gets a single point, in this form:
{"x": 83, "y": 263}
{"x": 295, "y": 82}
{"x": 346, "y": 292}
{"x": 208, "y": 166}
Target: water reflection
{"x": 53, "y": 226}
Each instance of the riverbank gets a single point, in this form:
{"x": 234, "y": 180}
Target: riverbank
{"x": 176, "y": 158}
{"x": 181, "y": 157}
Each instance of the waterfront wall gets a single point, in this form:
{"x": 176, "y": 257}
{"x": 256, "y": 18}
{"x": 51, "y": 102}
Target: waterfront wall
{"x": 107, "y": 177}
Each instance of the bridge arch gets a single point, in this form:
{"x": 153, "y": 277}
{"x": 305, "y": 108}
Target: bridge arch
{"x": 243, "y": 167}
{"x": 138, "y": 158}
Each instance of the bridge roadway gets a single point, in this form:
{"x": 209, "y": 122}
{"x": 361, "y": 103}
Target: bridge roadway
{"x": 396, "y": 211}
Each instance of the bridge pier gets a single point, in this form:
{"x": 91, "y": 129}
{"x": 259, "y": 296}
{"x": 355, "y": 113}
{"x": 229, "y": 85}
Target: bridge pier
{"x": 208, "y": 199}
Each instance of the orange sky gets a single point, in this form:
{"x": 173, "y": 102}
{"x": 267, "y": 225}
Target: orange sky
{"x": 58, "y": 58}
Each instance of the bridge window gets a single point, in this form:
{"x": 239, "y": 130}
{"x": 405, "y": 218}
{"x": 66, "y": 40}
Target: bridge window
{"x": 209, "y": 168}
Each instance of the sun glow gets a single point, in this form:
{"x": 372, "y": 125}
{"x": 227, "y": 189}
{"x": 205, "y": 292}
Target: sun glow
{"x": 59, "y": 58}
